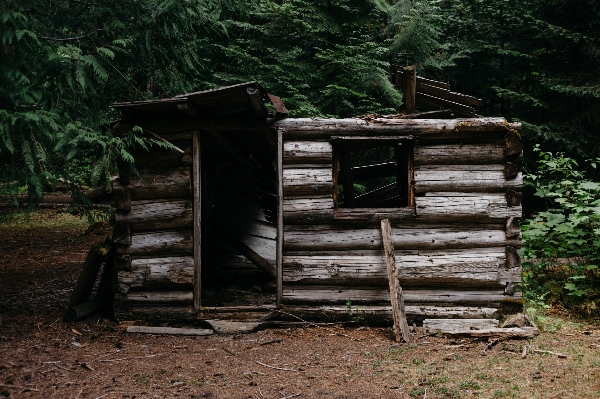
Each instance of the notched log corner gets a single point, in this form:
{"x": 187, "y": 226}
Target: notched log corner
{"x": 122, "y": 234}
{"x": 513, "y": 198}
{"x": 514, "y": 144}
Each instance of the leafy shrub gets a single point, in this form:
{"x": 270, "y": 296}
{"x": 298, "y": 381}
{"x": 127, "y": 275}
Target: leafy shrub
{"x": 562, "y": 244}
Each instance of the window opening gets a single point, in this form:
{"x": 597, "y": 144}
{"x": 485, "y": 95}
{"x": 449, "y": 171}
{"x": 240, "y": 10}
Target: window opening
{"x": 373, "y": 173}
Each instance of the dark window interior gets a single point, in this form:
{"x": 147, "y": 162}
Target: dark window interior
{"x": 372, "y": 173}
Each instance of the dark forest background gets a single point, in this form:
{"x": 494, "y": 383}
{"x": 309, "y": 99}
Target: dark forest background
{"x": 63, "y": 62}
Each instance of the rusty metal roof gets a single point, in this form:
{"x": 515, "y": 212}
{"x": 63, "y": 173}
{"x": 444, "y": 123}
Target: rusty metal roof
{"x": 244, "y": 100}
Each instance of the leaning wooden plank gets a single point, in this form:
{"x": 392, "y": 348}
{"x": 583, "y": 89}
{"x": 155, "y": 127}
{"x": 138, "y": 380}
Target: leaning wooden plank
{"x": 516, "y": 332}
{"x": 167, "y": 184}
{"x": 459, "y": 154}
{"x": 429, "y": 237}
{"x": 165, "y": 272}
{"x": 305, "y": 128}
{"x": 484, "y": 208}
{"x": 298, "y": 181}
{"x": 168, "y": 242}
{"x": 160, "y": 215}
{"x": 446, "y": 325}
{"x": 89, "y": 273}
{"x": 169, "y": 330}
{"x": 161, "y": 297}
{"x": 297, "y": 152}
{"x": 396, "y": 296}
{"x": 460, "y": 268}
{"x": 254, "y": 257}
{"x": 374, "y": 295}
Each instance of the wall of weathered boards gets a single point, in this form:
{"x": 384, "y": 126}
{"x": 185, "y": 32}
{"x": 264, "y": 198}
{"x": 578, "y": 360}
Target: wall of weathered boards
{"x": 267, "y": 196}
{"x": 455, "y": 244}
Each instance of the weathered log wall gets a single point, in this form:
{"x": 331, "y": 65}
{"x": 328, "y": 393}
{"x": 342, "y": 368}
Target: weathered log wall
{"x": 455, "y": 247}
{"x": 155, "y": 226}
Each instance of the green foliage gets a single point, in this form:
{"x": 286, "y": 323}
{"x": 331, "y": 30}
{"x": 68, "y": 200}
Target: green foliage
{"x": 562, "y": 244}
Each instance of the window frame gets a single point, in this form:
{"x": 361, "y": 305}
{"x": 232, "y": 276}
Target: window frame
{"x": 340, "y": 150}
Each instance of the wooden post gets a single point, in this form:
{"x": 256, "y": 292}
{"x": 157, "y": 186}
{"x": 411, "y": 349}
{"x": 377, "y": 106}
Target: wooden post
{"x": 400, "y": 324}
{"x": 346, "y": 176}
{"x": 196, "y": 183}
{"x": 410, "y": 88}
{"x": 279, "y": 250}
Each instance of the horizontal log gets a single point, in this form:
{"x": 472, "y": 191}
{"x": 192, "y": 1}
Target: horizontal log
{"x": 459, "y": 154}
{"x": 428, "y": 237}
{"x": 169, "y": 330}
{"x": 344, "y": 216}
{"x": 372, "y": 295}
{"x": 497, "y": 333}
{"x": 314, "y": 203}
{"x": 446, "y": 94}
{"x": 483, "y": 208}
{"x": 464, "y": 178}
{"x": 167, "y": 272}
{"x": 160, "y": 297}
{"x": 295, "y": 152}
{"x": 383, "y": 313}
{"x": 459, "y": 324}
{"x": 464, "y": 268}
{"x": 170, "y": 242}
{"x": 298, "y": 181}
{"x": 422, "y": 129}
{"x": 167, "y": 184}
{"x": 145, "y": 311}
{"x": 148, "y": 159}
{"x": 163, "y": 215}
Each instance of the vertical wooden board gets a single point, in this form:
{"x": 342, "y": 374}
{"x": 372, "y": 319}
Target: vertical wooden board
{"x": 197, "y": 172}
{"x": 279, "y": 250}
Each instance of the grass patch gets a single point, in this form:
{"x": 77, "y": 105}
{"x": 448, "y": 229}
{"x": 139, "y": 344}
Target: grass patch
{"x": 41, "y": 219}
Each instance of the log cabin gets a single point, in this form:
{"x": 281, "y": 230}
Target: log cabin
{"x": 255, "y": 213}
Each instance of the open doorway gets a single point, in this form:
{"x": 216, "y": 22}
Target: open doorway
{"x": 239, "y": 211}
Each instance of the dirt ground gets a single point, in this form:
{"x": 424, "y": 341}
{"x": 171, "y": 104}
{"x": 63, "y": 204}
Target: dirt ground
{"x": 42, "y": 357}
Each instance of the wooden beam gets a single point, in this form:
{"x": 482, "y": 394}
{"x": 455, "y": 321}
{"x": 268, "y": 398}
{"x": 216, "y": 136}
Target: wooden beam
{"x": 346, "y": 177}
{"x": 279, "y": 249}
{"x": 431, "y": 101}
{"x": 448, "y": 95}
{"x": 397, "y": 298}
{"x": 410, "y": 88}
{"x": 197, "y": 188}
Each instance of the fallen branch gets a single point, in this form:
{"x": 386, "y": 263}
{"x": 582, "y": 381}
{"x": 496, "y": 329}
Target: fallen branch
{"x": 560, "y": 355}
{"x": 275, "y": 367}
{"x": 272, "y": 341}
{"x": 291, "y": 396}
{"x": 228, "y": 351}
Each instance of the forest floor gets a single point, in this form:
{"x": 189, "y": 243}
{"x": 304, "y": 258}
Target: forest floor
{"x": 42, "y": 357}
